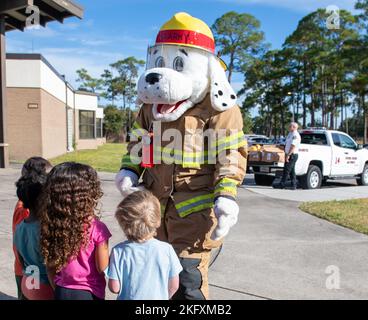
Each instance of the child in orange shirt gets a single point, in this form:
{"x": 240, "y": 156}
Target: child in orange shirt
{"x": 34, "y": 166}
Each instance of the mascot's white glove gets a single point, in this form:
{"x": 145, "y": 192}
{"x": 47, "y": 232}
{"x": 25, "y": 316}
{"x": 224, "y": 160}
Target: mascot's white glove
{"x": 226, "y": 211}
{"x": 127, "y": 182}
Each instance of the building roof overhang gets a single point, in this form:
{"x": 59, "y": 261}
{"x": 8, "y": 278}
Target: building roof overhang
{"x": 16, "y": 15}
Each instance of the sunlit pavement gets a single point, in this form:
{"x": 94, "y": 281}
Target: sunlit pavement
{"x": 274, "y": 252}
{"x": 332, "y": 190}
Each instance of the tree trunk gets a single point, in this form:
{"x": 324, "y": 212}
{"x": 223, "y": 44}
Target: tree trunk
{"x": 313, "y": 110}
{"x": 282, "y": 122}
{"x": 333, "y": 106}
{"x": 346, "y": 121}
{"x": 323, "y": 103}
{"x": 231, "y": 67}
{"x": 269, "y": 116}
{"x": 304, "y": 95}
{"x": 365, "y": 119}
{"x": 342, "y": 110}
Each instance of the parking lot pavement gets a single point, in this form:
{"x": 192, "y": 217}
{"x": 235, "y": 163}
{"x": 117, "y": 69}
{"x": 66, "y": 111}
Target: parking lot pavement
{"x": 332, "y": 190}
{"x": 277, "y": 251}
{"x": 274, "y": 252}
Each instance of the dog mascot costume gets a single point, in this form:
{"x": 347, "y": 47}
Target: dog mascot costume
{"x": 187, "y": 147}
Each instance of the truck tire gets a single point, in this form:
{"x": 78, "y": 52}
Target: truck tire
{"x": 313, "y": 179}
{"x": 363, "y": 179}
{"x": 263, "y": 180}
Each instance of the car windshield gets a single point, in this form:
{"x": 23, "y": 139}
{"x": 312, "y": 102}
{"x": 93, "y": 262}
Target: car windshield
{"x": 318, "y": 139}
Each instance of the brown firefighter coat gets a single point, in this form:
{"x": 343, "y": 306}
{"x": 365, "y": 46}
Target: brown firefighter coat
{"x": 198, "y": 157}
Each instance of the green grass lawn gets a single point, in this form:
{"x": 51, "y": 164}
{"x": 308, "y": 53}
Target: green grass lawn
{"x": 352, "y": 214}
{"x": 106, "y": 158}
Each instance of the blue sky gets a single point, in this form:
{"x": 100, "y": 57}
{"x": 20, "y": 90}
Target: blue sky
{"x": 114, "y": 29}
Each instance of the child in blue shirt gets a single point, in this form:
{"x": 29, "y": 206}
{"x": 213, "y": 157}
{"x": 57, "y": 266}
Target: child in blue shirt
{"x": 142, "y": 268}
{"x": 35, "y": 282}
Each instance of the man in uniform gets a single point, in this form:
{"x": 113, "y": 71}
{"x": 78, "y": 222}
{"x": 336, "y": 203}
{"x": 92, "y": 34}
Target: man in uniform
{"x": 291, "y": 156}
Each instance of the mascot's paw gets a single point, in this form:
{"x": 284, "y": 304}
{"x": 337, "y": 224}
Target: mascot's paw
{"x": 127, "y": 182}
{"x": 226, "y": 211}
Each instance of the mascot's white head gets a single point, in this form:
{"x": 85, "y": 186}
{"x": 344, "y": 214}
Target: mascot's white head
{"x": 182, "y": 69}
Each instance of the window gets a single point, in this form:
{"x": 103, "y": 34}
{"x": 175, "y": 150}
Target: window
{"x": 99, "y": 132}
{"x": 318, "y": 139}
{"x": 347, "y": 142}
{"x": 336, "y": 139}
{"x": 343, "y": 141}
{"x": 86, "y": 124}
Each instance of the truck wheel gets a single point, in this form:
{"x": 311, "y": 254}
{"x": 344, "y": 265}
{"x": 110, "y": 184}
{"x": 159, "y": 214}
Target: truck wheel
{"x": 363, "y": 180}
{"x": 263, "y": 180}
{"x": 313, "y": 178}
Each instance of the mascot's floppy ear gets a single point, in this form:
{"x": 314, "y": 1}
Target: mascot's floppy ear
{"x": 223, "y": 96}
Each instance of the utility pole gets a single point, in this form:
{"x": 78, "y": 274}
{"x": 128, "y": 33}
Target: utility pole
{"x": 4, "y": 152}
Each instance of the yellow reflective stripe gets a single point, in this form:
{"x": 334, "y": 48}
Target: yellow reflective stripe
{"x": 230, "y": 190}
{"x": 196, "y": 209}
{"x": 131, "y": 162}
{"x": 227, "y": 139}
{"x": 227, "y": 185}
{"x": 232, "y": 147}
{"x": 136, "y": 125}
{"x": 137, "y": 130}
{"x": 187, "y": 159}
{"x": 191, "y": 164}
{"x": 194, "y": 204}
{"x": 193, "y": 200}
{"x": 228, "y": 181}
{"x": 171, "y": 152}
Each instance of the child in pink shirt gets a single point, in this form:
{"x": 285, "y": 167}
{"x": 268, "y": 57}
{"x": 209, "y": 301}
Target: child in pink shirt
{"x": 74, "y": 241}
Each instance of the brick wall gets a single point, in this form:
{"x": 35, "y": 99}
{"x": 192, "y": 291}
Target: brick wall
{"x": 24, "y": 124}
{"x": 54, "y": 130}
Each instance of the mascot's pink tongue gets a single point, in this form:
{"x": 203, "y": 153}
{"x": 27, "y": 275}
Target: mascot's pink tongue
{"x": 168, "y": 108}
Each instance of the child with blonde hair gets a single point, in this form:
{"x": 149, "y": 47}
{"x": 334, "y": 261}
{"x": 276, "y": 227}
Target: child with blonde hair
{"x": 142, "y": 268}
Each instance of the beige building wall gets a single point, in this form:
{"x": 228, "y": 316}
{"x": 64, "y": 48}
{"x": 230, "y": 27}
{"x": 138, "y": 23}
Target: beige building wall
{"x": 43, "y": 130}
{"x": 54, "y": 127}
{"x": 24, "y": 124}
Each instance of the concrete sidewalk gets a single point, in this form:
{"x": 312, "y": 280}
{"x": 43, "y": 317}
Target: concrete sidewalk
{"x": 279, "y": 252}
{"x": 332, "y": 190}
{"x": 274, "y": 252}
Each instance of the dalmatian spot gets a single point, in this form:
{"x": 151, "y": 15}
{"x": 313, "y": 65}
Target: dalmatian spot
{"x": 220, "y": 93}
{"x": 233, "y": 96}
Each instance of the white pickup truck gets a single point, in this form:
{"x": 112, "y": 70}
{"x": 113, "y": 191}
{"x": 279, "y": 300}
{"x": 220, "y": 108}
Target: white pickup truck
{"x": 323, "y": 154}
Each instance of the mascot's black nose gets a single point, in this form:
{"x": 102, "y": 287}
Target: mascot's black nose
{"x": 152, "y": 78}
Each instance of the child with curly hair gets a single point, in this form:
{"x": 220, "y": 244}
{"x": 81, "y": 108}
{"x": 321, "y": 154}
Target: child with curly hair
{"x": 142, "y": 268}
{"x": 26, "y": 232}
{"x": 74, "y": 242}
